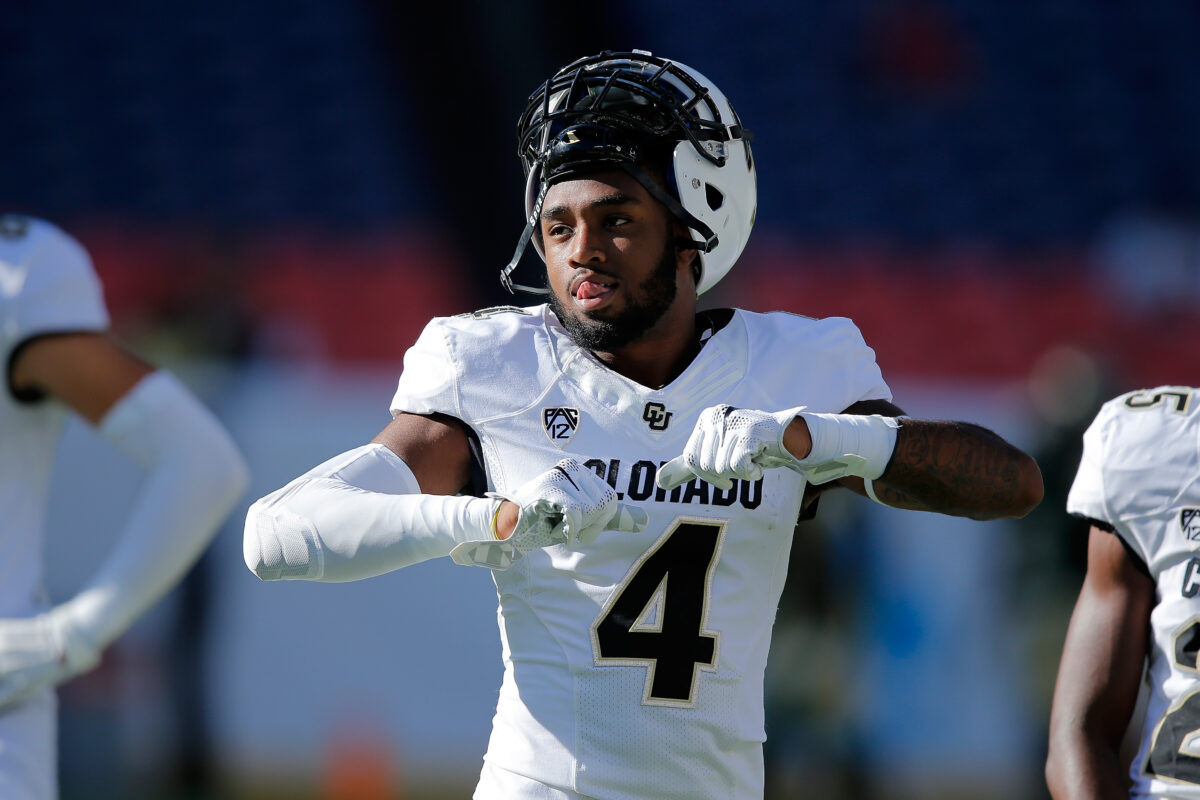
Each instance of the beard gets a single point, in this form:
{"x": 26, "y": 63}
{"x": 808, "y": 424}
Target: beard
{"x": 646, "y": 304}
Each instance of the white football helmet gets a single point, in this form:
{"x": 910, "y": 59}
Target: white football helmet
{"x": 627, "y": 109}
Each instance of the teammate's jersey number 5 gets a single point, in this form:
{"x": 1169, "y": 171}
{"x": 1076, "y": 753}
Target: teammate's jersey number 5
{"x": 1145, "y": 400}
{"x": 657, "y": 617}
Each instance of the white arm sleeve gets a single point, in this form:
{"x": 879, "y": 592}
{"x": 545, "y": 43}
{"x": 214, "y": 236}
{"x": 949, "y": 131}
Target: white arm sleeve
{"x": 358, "y": 515}
{"x": 194, "y": 476}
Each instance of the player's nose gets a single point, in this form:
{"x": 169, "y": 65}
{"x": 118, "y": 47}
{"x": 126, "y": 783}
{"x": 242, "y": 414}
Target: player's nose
{"x": 588, "y": 245}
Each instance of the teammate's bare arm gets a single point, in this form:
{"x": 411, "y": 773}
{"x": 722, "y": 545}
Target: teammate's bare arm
{"x": 1099, "y": 675}
{"x": 87, "y": 371}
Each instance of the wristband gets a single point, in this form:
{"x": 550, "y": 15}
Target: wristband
{"x": 871, "y": 438}
{"x": 495, "y": 518}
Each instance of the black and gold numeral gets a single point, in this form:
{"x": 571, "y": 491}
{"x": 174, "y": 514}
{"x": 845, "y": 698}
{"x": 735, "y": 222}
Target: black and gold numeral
{"x": 657, "y": 617}
{"x": 1145, "y": 400}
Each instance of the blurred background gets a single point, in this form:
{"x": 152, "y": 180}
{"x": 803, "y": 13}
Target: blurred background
{"x": 278, "y": 195}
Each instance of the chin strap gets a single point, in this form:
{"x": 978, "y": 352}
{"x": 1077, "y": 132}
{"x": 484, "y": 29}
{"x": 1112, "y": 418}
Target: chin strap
{"x": 506, "y": 274}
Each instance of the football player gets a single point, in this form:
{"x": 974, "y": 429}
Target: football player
{"x": 61, "y": 359}
{"x": 645, "y": 464}
{"x": 1139, "y": 486}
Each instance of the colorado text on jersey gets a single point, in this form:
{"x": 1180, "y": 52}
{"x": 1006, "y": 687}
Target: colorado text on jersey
{"x": 636, "y": 482}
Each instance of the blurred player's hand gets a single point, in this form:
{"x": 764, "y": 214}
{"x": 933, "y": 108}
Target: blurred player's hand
{"x": 730, "y": 443}
{"x": 567, "y": 504}
{"x": 41, "y": 651}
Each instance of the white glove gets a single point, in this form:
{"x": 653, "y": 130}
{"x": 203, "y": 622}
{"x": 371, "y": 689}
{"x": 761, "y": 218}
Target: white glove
{"x": 730, "y": 443}
{"x": 567, "y": 504}
{"x": 41, "y": 651}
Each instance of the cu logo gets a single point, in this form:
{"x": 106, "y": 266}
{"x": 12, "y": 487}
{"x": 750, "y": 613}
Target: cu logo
{"x": 656, "y": 416}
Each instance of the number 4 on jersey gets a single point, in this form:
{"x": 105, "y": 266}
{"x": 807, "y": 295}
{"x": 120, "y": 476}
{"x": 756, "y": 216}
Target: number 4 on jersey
{"x": 657, "y": 617}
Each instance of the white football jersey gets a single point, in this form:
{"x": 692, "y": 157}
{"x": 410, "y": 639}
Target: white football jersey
{"x": 1140, "y": 474}
{"x": 633, "y": 667}
{"x": 47, "y": 285}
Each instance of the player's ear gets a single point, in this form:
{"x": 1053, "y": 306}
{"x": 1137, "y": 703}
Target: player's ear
{"x": 689, "y": 263}
{"x": 687, "y": 257}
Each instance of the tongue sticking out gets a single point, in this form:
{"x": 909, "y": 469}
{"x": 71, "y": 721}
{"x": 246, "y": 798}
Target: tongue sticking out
{"x": 589, "y": 289}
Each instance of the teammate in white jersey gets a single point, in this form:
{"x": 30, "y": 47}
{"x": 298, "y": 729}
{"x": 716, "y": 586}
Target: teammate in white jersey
{"x": 1139, "y": 485}
{"x": 60, "y": 359}
{"x": 637, "y": 524}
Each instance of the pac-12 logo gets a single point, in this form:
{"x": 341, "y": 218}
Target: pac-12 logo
{"x": 656, "y": 416}
{"x": 560, "y": 424}
{"x": 1189, "y": 521}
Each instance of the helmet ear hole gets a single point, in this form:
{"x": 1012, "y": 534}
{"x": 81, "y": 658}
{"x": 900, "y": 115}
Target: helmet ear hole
{"x": 715, "y": 197}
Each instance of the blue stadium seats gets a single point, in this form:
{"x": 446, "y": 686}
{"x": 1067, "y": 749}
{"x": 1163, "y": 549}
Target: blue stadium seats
{"x": 905, "y": 119}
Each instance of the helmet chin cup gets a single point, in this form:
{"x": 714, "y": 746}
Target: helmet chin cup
{"x": 623, "y": 110}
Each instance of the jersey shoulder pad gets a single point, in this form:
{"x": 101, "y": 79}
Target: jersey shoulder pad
{"x": 474, "y": 366}
{"x": 493, "y": 311}
{"x": 1140, "y": 454}
{"x": 829, "y": 353}
{"x": 832, "y": 334}
{"x": 501, "y": 333}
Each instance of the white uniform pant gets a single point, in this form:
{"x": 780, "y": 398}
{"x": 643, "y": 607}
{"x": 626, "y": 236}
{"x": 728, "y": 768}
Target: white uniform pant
{"x": 28, "y": 746}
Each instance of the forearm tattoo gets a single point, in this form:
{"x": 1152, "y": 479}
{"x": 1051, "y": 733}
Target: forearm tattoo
{"x": 953, "y": 468}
